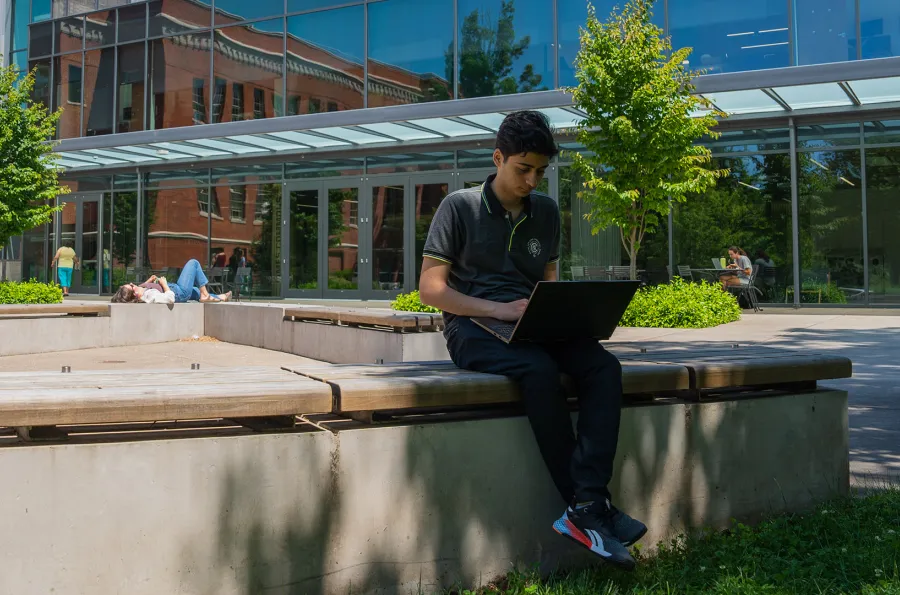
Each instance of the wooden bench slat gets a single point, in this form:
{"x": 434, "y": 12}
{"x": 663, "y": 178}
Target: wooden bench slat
{"x": 760, "y": 372}
{"x": 376, "y": 317}
{"x": 58, "y": 380}
{"x": 45, "y": 309}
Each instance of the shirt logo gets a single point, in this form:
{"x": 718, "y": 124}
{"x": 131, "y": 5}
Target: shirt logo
{"x": 534, "y": 247}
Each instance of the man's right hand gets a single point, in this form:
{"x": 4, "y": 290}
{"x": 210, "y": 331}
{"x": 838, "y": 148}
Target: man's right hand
{"x": 510, "y": 312}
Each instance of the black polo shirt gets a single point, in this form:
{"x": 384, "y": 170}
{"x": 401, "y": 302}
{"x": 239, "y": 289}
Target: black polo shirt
{"x": 492, "y": 256}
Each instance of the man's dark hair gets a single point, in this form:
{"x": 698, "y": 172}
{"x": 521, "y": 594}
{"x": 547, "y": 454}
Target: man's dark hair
{"x": 526, "y": 132}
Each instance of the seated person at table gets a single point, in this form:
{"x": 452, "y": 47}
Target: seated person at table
{"x": 740, "y": 268}
{"x": 191, "y": 285}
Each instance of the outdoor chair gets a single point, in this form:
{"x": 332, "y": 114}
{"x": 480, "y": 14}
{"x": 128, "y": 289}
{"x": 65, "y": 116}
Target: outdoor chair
{"x": 749, "y": 290}
{"x": 596, "y": 273}
{"x": 577, "y": 273}
{"x": 216, "y": 277}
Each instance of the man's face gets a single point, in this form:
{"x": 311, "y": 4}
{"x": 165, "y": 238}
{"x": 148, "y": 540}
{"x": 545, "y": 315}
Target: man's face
{"x": 520, "y": 174}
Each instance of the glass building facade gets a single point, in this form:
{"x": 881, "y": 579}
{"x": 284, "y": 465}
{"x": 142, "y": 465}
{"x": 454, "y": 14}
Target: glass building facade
{"x": 315, "y": 138}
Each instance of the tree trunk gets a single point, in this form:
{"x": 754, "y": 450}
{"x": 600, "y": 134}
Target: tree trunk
{"x": 633, "y": 267}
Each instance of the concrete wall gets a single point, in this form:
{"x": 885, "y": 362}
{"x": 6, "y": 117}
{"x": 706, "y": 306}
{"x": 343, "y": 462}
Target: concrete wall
{"x": 127, "y": 324}
{"x": 401, "y": 508}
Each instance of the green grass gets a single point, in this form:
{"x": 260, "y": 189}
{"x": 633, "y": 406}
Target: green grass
{"x": 847, "y": 546}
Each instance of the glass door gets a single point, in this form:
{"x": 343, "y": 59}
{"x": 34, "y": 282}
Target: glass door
{"x": 301, "y": 246}
{"x": 427, "y": 193}
{"x": 79, "y": 227}
{"x": 344, "y": 267}
{"x": 385, "y": 245}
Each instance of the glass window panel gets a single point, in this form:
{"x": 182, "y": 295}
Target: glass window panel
{"x": 505, "y": 47}
{"x": 177, "y": 177}
{"x": 400, "y": 132}
{"x": 353, "y": 136}
{"x": 828, "y": 135}
{"x": 179, "y": 82}
{"x": 751, "y": 208}
{"x": 324, "y": 168}
{"x": 67, "y": 75}
{"x": 125, "y": 181}
{"x": 120, "y": 239}
{"x": 882, "y": 132}
{"x": 194, "y": 150}
{"x": 160, "y": 154}
{"x": 177, "y": 229}
{"x": 230, "y": 147}
{"x": 171, "y": 17}
{"x": 387, "y": 236}
{"x": 309, "y": 139}
{"x": 427, "y": 197}
{"x": 132, "y": 23}
{"x": 235, "y": 11}
{"x": 42, "y": 83}
{"x": 302, "y": 5}
{"x": 473, "y": 158}
{"x": 20, "y": 60}
{"x": 100, "y": 29}
{"x": 560, "y": 118}
{"x": 303, "y": 260}
{"x": 343, "y": 238}
{"x": 879, "y": 28}
{"x": 744, "y": 102}
{"x": 824, "y": 31}
{"x": 246, "y": 173}
{"x": 131, "y": 88}
{"x": 387, "y": 164}
{"x": 418, "y": 65}
{"x": 877, "y": 90}
{"x": 812, "y": 96}
{"x": 325, "y": 59}
{"x": 491, "y": 121}
{"x": 831, "y": 240}
{"x": 759, "y": 139}
{"x": 572, "y": 15}
{"x": 447, "y": 127}
{"x": 99, "y": 72}
{"x": 265, "y": 142}
{"x": 40, "y": 9}
{"x": 40, "y": 40}
{"x": 882, "y": 191}
{"x": 67, "y": 35}
{"x": 20, "y": 20}
{"x": 247, "y": 66}
{"x": 731, "y": 37}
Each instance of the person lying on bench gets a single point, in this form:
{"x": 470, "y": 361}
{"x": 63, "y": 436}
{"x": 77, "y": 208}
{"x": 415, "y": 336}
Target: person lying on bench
{"x": 191, "y": 285}
{"x": 486, "y": 250}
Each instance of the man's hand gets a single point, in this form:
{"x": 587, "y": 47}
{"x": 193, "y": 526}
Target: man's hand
{"x": 512, "y": 311}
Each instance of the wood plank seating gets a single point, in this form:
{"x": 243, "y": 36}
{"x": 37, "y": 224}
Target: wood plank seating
{"x": 367, "y": 317}
{"x": 42, "y": 399}
{"x": 362, "y": 390}
{"x": 67, "y": 309}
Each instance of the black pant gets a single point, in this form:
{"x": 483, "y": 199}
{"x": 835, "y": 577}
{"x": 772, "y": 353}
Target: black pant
{"x": 581, "y": 468}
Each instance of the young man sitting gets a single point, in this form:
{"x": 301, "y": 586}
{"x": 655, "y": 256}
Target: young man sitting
{"x": 486, "y": 250}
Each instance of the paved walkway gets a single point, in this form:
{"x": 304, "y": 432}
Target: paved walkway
{"x": 872, "y": 342}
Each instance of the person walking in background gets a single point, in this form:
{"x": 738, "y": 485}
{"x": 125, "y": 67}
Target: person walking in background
{"x": 191, "y": 285}
{"x": 65, "y": 260}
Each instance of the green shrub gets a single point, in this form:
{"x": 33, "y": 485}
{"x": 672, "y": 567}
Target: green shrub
{"x": 831, "y": 294}
{"x": 681, "y": 305}
{"x": 410, "y": 302}
{"x": 30, "y": 292}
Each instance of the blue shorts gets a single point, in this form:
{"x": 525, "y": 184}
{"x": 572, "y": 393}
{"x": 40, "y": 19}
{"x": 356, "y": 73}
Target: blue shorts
{"x": 65, "y": 277}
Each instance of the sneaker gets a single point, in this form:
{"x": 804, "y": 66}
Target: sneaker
{"x": 593, "y": 529}
{"x": 626, "y": 529}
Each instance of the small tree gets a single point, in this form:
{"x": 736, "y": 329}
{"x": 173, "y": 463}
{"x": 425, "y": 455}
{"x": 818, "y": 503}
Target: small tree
{"x": 639, "y": 131}
{"x": 28, "y": 172}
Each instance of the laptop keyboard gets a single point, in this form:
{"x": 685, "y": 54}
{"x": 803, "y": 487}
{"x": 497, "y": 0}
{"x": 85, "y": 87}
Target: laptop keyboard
{"x": 504, "y": 329}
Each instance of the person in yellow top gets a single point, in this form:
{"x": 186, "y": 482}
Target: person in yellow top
{"x": 65, "y": 260}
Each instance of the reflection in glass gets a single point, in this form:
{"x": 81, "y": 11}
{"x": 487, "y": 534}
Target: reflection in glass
{"x": 730, "y": 38}
{"x": 40, "y": 9}
{"x": 99, "y": 73}
{"x": 89, "y": 275}
{"x": 119, "y": 239}
{"x": 100, "y": 29}
{"x": 387, "y": 237}
{"x": 824, "y": 31}
{"x": 505, "y": 47}
{"x": 882, "y": 190}
{"x": 750, "y": 209}
{"x": 343, "y": 238}
{"x": 20, "y": 20}
{"x": 427, "y": 196}
{"x": 325, "y": 60}
{"x": 831, "y": 241}
{"x": 235, "y": 11}
{"x": 179, "y": 82}
{"x": 418, "y": 65}
{"x": 879, "y": 28}
{"x": 40, "y": 40}
{"x": 409, "y": 162}
{"x": 177, "y": 229}
{"x": 171, "y": 17}
{"x": 303, "y": 261}
{"x": 42, "y": 87}
{"x": 132, "y": 23}
{"x": 247, "y": 65}
{"x": 35, "y": 253}
{"x": 324, "y": 169}
{"x": 67, "y": 35}
{"x": 131, "y": 91}
{"x": 67, "y": 74}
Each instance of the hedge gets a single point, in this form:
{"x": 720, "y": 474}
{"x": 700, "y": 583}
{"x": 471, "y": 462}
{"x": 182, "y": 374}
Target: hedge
{"x": 29, "y": 292}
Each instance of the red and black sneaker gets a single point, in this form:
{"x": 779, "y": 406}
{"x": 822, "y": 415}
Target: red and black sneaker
{"x": 591, "y": 526}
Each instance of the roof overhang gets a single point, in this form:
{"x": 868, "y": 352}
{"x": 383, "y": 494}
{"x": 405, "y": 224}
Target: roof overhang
{"x": 854, "y": 88}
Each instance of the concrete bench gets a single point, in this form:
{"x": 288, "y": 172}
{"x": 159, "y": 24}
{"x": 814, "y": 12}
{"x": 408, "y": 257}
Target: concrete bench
{"x": 267, "y": 395}
{"x": 364, "y": 390}
{"x": 67, "y": 309}
{"x": 367, "y": 318}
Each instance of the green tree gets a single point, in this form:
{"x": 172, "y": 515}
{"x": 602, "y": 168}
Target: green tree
{"x": 28, "y": 170}
{"x": 639, "y": 129}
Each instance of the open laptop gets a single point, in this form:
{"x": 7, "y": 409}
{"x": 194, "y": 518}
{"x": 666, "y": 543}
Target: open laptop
{"x": 564, "y": 310}
{"x": 717, "y": 264}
